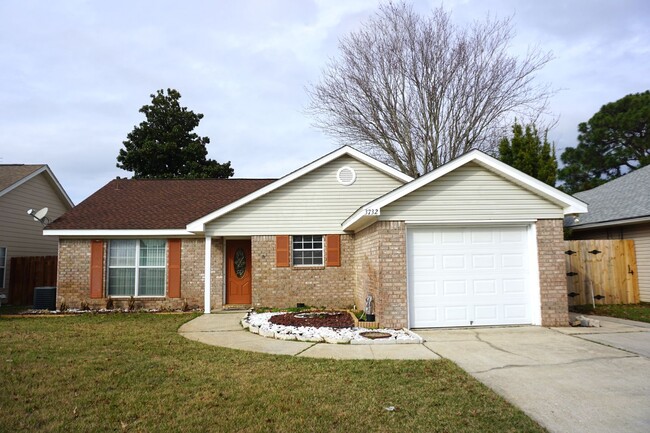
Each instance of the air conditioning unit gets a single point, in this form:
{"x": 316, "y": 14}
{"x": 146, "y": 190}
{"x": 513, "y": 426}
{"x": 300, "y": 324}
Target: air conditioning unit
{"x": 45, "y": 298}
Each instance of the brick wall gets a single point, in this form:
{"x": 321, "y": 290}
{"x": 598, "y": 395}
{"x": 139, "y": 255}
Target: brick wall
{"x": 331, "y": 287}
{"x": 552, "y": 273}
{"x": 73, "y": 280}
{"x": 381, "y": 271}
{"x": 366, "y": 265}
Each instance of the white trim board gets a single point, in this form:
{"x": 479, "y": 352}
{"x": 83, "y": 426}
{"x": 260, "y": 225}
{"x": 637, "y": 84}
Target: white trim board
{"x": 105, "y": 233}
{"x": 199, "y": 225}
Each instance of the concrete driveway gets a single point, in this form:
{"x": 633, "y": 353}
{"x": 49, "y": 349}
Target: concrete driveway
{"x": 568, "y": 379}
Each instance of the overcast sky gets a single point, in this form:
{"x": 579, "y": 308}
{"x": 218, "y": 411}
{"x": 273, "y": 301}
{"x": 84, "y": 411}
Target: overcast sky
{"x": 73, "y": 74}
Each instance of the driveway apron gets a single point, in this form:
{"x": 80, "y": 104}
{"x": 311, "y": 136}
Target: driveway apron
{"x": 567, "y": 379}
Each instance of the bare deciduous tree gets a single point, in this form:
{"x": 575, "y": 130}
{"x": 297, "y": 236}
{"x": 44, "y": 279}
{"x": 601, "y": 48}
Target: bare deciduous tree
{"x": 417, "y": 91}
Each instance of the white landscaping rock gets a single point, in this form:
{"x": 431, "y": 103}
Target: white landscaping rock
{"x": 259, "y": 323}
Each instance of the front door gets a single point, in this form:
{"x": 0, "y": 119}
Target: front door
{"x": 238, "y": 272}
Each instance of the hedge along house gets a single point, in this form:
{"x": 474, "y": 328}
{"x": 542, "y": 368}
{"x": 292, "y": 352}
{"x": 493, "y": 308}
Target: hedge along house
{"x": 474, "y": 242}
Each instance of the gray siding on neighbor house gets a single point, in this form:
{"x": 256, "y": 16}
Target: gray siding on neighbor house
{"x": 315, "y": 203}
{"x": 640, "y": 234}
{"x": 19, "y": 233}
{"x": 470, "y": 192}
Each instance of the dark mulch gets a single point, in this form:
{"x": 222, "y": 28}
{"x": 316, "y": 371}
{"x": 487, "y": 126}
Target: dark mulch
{"x": 316, "y": 319}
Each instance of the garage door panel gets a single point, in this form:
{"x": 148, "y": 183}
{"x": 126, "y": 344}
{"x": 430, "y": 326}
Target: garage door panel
{"x": 455, "y": 313}
{"x": 485, "y": 287}
{"x": 514, "y": 286}
{"x": 468, "y": 276}
{"x": 485, "y": 313}
{"x": 484, "y": 237}
{"x": 513, "y": 261}
{"x": 483, "y": 261}
{"x": 453, "y": 262}
{"x": 454, "y": 288}
{"x": 515, "y": 312}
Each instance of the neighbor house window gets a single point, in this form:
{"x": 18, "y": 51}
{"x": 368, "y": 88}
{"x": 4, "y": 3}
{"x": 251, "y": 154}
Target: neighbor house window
{"x": 136, "y": 267}
{"x": 3, "y": 266}
{"x": 307, "y": 250}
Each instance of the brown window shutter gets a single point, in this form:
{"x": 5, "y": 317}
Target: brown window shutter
{"x": 333, "y": 250}
{"x": 96, "y": 269}
{"x": 174, "y": 268}
{"x": 282, "y": 251}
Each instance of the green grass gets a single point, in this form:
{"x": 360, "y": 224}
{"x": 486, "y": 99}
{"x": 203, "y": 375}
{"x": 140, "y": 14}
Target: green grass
{"x": 639, "y": 312}
{"x": 134, "y": 373}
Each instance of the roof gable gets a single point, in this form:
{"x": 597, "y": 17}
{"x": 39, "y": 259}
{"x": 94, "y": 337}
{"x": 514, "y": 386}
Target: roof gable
{"x": 621, "y": 199}
{"x": 569, "y": 204}
{"x": 14, "y": 175}
{"x": 199, "y": 224}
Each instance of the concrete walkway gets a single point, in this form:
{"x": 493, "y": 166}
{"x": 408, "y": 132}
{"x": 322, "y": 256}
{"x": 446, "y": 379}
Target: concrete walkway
{"x": 594, "y": 380}
{"x": 224, "y": 329}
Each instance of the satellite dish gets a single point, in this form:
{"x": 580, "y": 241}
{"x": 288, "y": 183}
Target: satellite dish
{"x": 40, "y": 215}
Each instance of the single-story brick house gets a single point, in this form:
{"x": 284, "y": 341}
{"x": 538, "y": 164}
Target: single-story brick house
{"x": 474, "y": 242}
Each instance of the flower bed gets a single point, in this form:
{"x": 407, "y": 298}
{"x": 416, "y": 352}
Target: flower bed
{"x": 263, "y": 324}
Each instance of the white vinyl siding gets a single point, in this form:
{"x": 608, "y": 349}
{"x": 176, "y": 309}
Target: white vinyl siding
{"x": 641, "y": 236}
{"x": 136, "y": 267}
{"x": 19, "y": 233}
{"x": 313, "y": 203}
{"x": 470, "y": 192}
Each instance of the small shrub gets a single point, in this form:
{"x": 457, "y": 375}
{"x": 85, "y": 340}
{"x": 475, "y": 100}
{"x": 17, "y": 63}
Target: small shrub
{"x": 109, "y": 304}
{"x": 185, "y": 306}
{"x": 131, "y": 304}
{"x": 63, "y": 307}
{"x": 84, "y": 306}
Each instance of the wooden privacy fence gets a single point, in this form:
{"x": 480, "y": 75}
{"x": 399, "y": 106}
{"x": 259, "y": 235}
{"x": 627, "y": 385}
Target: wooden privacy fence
{"x": 29, "y": 272}
{"x": 603, "y": 271}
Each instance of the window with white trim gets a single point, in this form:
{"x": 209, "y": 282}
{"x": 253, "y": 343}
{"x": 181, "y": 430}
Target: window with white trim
{"x": 307, "y": 250}
{"x": 3, "y": 266}
{"x": 137, "y": 267}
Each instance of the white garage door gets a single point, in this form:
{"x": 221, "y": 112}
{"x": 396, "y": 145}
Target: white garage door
{"x": 468, "y": 276}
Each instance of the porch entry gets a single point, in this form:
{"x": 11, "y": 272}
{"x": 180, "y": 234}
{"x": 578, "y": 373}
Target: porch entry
{"x": 238, "y": 272}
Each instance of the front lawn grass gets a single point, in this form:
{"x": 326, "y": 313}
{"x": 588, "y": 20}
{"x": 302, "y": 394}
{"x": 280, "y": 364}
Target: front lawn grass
{"x": 639, "y": 312}
{"x": 134, "y": 373}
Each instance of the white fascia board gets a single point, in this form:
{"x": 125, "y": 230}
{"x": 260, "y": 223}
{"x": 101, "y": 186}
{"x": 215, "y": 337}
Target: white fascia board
{"x": 30, "y": 176}
{"x": 59, "y": 187}
{"x": 117, "y": 233}
{"x": 570, "y": 205}
{"x": 199, "y": 225}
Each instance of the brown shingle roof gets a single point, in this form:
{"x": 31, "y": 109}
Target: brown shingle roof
{"x": 154, "y": 204}
{"x": 12, "y": 173}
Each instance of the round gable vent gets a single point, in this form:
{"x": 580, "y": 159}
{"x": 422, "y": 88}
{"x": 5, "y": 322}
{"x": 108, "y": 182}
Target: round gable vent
{"x": 346, "y": 176}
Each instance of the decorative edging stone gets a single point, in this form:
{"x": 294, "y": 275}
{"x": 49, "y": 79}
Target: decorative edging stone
{"x": 265, "y": 329}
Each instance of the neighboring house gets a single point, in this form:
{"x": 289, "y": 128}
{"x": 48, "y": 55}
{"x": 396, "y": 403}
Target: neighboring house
{"x": 24, "y": 187}
{"x": 620, "y": 209}
{"x": 474, "y": 242}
